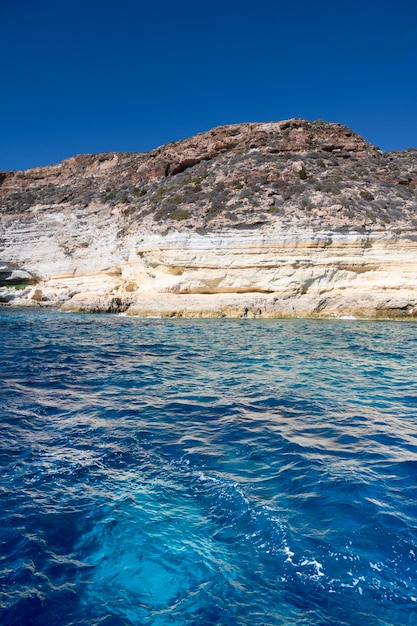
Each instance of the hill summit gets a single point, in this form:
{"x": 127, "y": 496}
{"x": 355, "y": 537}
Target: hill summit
{"x": 307, "y": 212}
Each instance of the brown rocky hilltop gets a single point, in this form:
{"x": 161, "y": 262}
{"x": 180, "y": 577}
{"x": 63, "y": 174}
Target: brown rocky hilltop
{"x": 289, "y": 218}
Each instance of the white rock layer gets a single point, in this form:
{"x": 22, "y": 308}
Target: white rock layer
{"x": 84, "y": 266}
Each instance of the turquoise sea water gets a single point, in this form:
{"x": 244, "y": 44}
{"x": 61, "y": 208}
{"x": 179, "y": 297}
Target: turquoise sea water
{"x": 201, "y": 472}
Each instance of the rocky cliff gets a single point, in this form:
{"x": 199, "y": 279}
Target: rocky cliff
{"x": 278, "y": 219}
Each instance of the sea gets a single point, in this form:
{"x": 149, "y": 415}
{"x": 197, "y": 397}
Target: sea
{"x": 207, "y": 472}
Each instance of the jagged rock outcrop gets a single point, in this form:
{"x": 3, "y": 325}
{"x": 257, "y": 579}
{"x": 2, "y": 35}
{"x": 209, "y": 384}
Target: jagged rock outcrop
{"x": 276, "y": 219}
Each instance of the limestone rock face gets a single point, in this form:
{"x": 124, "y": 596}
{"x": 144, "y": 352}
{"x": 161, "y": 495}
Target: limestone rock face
{"x": 275, "y": 219}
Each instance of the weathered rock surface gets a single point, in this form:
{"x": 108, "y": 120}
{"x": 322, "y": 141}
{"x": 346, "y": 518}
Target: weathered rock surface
{"x": 291, "y": 218}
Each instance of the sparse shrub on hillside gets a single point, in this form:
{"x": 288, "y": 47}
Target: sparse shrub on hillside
{"x": 246, "y": 193}
{"x": 123, "y": 195}
{"x": 219, "y": 187}
{"x": 274, "y": 209}
{"x": 405, "y": 191}
{"x": 280, "y": 185}
{"x": 317, "y": 158}
{"x": 20, "y": 202}
{"x": 319, "y": 123}
{"x": 189, "y": 196}
{"x": 215, "y": 208}
{"x": 232, "y": 217}
{"x": 306, "y": 203}
{"x": 347, "y": 202}
{"x": 199, "y": 179}
{"x": 328, "y": 185}
{"x": 219, "y": 197}
{"x": 169, "y": 209}
{"x": 292, "y": 190}
{"x": 158, "y": 194}
{"x": 139, "y": 192}
{"x": 366, "y": 195}
{"x": 179, "y": 215}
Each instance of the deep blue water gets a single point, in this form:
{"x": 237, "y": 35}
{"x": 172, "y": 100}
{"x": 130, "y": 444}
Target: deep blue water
{"x": 202, "y": 472}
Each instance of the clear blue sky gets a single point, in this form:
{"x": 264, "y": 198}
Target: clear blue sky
{"x": 102, "y": 75}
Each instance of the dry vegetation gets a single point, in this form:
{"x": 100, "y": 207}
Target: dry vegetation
{"x": 239, "y": 176}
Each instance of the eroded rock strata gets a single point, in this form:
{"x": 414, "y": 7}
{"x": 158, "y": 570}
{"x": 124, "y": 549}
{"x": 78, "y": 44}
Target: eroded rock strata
{"x": 292, "y": 218}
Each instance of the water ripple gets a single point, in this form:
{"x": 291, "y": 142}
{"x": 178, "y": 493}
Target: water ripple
{"x": 207, "y": 472}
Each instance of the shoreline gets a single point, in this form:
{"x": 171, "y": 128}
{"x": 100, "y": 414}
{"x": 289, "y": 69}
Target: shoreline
{"x": 390, "y": 305}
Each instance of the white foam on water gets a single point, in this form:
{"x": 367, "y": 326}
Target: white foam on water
{"x": 376, "y": 566}
{"x": 346, "y": 317}
{"x": 315, "y": 564}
